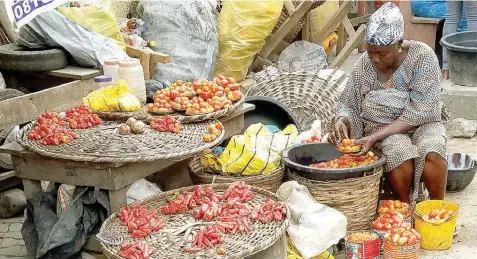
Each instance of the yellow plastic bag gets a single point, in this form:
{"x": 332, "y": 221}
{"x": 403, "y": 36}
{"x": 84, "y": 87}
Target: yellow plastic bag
{"x": 243, "y": 27}
{"x": 113, "y": 98}
{"x": 257, "y": 151}
{"x": 324, "y": 12}
{"x": 99, "y": 17}
{"x": 292, "y": 252}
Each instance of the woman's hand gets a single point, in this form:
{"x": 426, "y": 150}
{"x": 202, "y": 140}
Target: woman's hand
{"x": 340, "y": 131}
{"x": 367, "y": 143}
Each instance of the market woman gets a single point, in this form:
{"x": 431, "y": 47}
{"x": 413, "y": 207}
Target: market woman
{"x": 392, "y": 101}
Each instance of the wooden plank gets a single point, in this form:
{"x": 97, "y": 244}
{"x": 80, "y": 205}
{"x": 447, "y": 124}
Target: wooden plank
{"x": 318, "y": 36}
{"x": 155, "y": 56}
{"x": 347, "y": 26}
{"x": 27, "y": 107}
{"x": 259, "y": 63}
{"x": 425, "y": 20}
{"x": 350, "y": 46}
{"x": 359, "y": 20}
{"x": 117, "y": 199}
{"x": 31, "y": 188}
{"x": 305, "y": 30}
{"x": 341, "y": 38}
{"x": 275, "y": 55}
{"x": 6, "y": 175}
{"x": 77, "y": 73}
{"x": 145, "y": 62}
{"x": 289, "y": 6}
{"x": 293, "y": 20}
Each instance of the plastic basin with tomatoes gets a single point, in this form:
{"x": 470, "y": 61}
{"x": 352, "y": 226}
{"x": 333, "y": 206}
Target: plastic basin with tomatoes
{"x": 298, "y": 158}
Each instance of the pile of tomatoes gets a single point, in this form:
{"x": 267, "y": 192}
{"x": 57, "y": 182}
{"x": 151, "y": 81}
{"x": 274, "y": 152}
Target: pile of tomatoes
{"x": 200, "y": 96}
{"x": 387, "y": 221}
{"x": 312, "y": 139}
{"x": 50, "y": 128}
{"x": 390, "y": 205}
{"x": 166, "y": 123}
{"x": 349, "y": 146}
{"x": 438, "y": 215}
{"x": 214, "y": 132}
{"x": 402, "y": 236}
{"x": 348, "y": 161}
{"x": 82, "y": 117}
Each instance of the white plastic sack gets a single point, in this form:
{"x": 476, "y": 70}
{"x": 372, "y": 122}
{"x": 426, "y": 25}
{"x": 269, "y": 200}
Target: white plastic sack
{"x": 141, "y": 189}
{"x": 302, "y": 56}
{"x": 314, "y": 227}
{"x": 88, "y": 48}
{"x": 185, "y": 30}
{"x": 314, "y": 131}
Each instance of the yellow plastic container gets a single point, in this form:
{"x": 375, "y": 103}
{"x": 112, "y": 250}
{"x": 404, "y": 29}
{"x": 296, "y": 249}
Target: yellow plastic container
{"x": 436, "y": 236}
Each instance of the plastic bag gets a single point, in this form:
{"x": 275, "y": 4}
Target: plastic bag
{"x": 302, "y": 56}
{"x": 99, "y": 17}
{"x": 435, "y": 9}
{"x": 52, "y": 29}
{"x": 257, "y": 151}
{"x": 113, "y": 98}
{"x": 292, "y": 252}
{"x": 243, "y": 27}
{"x": 314, "y": 227}
{"x": 185, "y": 30}
{"x": 141, "y": 189}
{"x": 315, "y": 131}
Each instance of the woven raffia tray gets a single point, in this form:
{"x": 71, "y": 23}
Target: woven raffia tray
{"x": 260, "y": 238}
{"x": 143, "y": 114}
{"x": 205, "y": 116}
{"x": 104, "y": 144}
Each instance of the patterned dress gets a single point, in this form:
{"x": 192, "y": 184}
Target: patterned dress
{"x": 412, "y": 94}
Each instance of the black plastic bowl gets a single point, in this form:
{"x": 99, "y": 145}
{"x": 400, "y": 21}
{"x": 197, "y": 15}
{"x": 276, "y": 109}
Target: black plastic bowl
{"x": 297, "y": 158}
{"x": 460, "y": 171}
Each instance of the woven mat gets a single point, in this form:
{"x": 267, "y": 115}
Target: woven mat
{"x": 105, "y": 144}
{"x": 260, "y": 238}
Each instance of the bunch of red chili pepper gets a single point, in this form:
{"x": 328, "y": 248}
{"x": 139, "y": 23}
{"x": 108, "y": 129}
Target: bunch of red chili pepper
{"x": 207, "y": 237}
{"x": 82, "y": 117}
{"x": 141, "y": 222}
{"x": 137, "y": 250}
{"x": 269, "y": 211}
{"x": 166, "y": 123}
{"x": 190, "y": 200}
{"x": 239, "y": 190}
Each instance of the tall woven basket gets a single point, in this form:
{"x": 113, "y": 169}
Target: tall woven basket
{"x": 356, "y": 198}
{"x": 269, "y": 182}
{"x": 307, "y": 95}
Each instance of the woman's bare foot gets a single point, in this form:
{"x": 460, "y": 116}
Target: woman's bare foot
{"x": 445, "y": 75}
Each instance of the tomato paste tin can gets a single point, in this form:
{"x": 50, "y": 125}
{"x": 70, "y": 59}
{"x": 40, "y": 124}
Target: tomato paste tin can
{"x": 368, "y": 249}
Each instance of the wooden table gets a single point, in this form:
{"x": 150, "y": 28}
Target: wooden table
{"x": 113, "y": 177}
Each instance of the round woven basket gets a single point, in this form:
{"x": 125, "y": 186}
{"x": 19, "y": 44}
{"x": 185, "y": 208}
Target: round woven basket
{"x": 104, "y": 144}
{"x": 356, "y": 198}
{"x": 260, "y": 238}
{"x": 269, "y": 182}
{"x": 307, "y": 95}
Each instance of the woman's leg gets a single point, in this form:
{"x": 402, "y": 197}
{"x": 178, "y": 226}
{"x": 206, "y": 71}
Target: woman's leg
{"x": 435, "y": 175}
{"x": 400, "y": 154}
{"x": 401, "y": 179}
{"x": 430, "y": 140}
{"x": 453, "y": 15}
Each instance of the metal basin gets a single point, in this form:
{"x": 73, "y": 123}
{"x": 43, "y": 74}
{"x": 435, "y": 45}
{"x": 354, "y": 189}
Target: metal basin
{"x": 299, "y": 157}
{"x": 462, "y": 52}
{"x": 460, "y": 171}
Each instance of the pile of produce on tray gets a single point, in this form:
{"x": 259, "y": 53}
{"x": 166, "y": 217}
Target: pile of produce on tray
{"x": 198, "y": 97}
{"x": 402, "y": 236}
{"x": 390, "y": 205}
{"x": 220, "y": 216}
{"x": 53, "y": 129}
{"x": 438, "y": 215}
{"x": 214, "y": 132}
{"x": 348, "y": 161}
{"x": 388, "y": 220}
{"x": 349, "y": 146}
{"x": 361, "y": 237}
{"x": 166, "y": 123}
{"x": 132, "y": 126}
{"x": 137, "y": 250}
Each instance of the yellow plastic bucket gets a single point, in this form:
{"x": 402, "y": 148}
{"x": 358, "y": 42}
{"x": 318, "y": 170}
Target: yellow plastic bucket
{"x": 436, "y": 236}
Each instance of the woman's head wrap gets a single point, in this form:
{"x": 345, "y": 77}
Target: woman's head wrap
{"x": 385, "y": 26}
